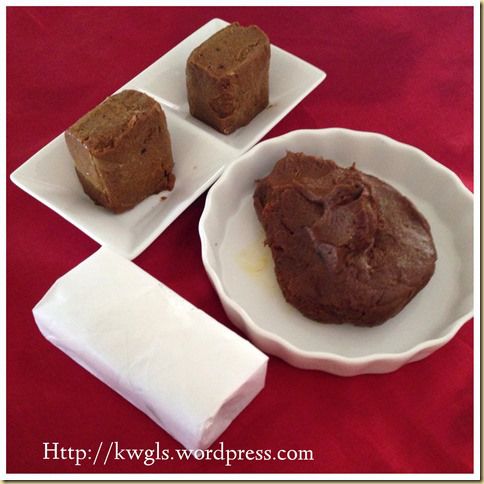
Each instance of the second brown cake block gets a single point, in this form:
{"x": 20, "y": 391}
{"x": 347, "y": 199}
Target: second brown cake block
{"x": 122, "y": 151}
{"x": 228, "y": 77}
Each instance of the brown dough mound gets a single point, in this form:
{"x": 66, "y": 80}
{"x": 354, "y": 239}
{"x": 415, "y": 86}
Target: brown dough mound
{"x": 347, "y": 247}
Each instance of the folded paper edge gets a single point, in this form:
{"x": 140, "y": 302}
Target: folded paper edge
{"x": 233, "y": 406}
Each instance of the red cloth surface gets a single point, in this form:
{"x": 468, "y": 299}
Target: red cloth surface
{"x": 404, "y": 72}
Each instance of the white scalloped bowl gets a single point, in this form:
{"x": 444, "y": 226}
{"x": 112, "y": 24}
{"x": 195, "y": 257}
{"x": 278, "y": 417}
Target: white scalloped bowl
{"x": 242, "y": 272}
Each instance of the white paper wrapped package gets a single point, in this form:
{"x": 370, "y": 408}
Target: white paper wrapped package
{"x": 185, "y": 370}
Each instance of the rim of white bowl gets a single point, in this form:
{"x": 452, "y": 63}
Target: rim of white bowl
{"x": 256, "y": 332}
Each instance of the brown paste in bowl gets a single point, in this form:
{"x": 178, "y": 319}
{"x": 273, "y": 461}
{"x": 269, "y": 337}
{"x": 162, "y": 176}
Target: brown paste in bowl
{"x": 347, "y": 246}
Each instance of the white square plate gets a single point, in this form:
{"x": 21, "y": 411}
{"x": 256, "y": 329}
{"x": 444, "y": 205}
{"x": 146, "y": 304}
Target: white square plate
{"x": 200, "y": 153}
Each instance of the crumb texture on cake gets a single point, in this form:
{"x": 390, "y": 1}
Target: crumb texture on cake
{"x": 347, "y": 246}
{"x": 122, "y": 150}
{"x": 227, "y": 77}
{"x": 101, "y": 128}
{"x": 229, "y": 47}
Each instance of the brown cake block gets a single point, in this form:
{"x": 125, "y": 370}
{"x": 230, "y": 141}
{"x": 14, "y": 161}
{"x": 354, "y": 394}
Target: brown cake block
{"x": 347, "y": 246}
{"x": 122, "y": 150}
{"x": 228, "y": 77}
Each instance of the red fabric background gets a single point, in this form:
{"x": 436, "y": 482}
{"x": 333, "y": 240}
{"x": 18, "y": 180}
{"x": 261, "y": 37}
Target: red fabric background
{"x": 404, "y": 72}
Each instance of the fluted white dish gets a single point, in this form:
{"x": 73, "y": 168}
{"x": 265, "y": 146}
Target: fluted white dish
{"x": 242, "y": 272}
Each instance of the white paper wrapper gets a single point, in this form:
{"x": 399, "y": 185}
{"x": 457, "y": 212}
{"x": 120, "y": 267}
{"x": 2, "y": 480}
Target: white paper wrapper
{"x": 181, "y": 367}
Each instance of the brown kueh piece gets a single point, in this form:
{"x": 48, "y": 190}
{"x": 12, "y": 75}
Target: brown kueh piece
{"x": 228, "y": 77}
{"x": 347, "y": 246}
{"x": 122, "y": 151}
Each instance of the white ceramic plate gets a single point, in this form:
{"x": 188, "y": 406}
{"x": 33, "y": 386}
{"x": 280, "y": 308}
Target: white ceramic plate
{"x": 241, "y": 268}
{"x": 200, "y": 152}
